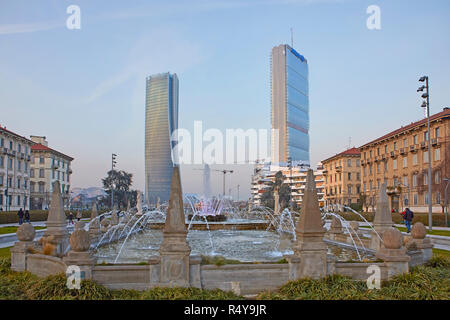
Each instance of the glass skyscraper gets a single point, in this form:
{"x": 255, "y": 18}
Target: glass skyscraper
{"x": 290, "y": 106}
{"x": 161, "y": 119}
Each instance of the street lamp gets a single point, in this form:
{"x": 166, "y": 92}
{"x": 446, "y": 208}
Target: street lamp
{"x": 426, "y": 104}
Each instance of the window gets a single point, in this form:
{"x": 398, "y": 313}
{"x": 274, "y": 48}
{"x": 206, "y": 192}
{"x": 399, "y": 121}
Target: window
{"x": 2, "y": 161}
{"x": 385, "y": 148}
{"x": 378, "y": 151}
{"x": 365, "y": 187}
{"x": 18, "y": 183}
{"x": 414, "y": 180}
{"x": 18, "y": 200}
{"x": 10, "y": 145}
{"x": 437, "y": 154}
{"x": 349, "y": 176}
{"x": 437, "y": 177}
{"x": 415, "y": 139}
{"x": 438, "y": 198}
{"x": 358, "y": 189}
{"x": 358, "y": 176}
{"x": 370, "y": 185}
{"x": 378, "y": 167}
{"x": 349, "y": 162}
{"x": 349, "y": 190}
{"x": 53, "y": 173}
{"x": 426, "y": 198}
{"x": 365, "y": 171}
{"x": 425, "y": 136}
{"x": 425, "y": 157}
{"x": 370, "y": 154}
{"x": 405, "y": 143}
{"x": 19, "y": 148}
{"x": 395, "y": 146}
{"x": 364, "y": 155}
{"x": 436, "y": 132}
{"x": 415, "y": 159}
{"x": 10, "y": 163}
{"x": 394, "y": 165}
{"x": 19, "y": 165}
{"x": 425, "y": 179}
{"x": 370, "y": 169}
{"x": 31, "y": 186}
{"x": 32, "y": 173}
{"x": 2, "y": 144}
{"x": 358, "y": 163}
{"x": 386, "y": 166}
{"x": 41, "y": 173}
{"x": 378, "y": 184}
{"x": 405, "y": 162}
{"x": 41, "y": 160}
{"x": 405, "y": 181}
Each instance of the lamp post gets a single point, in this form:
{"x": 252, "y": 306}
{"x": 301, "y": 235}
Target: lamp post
{"x": 113, "y": 164}
{"x": 426, "y": 104}
{"x": 445, "y": 201}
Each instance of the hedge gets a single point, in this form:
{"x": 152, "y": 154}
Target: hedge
{"x": 38, "y": 215}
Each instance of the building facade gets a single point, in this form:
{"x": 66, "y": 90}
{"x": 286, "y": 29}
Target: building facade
{"x": 48, "y": 166}
{"x": 400, "y": 158}
{"x": 161, "y": 120}
{"x": 342, "y": 174}
{"x": 15, "y": 157}
{"x": 290, "y": 106}
{"x": 264, "y": 175}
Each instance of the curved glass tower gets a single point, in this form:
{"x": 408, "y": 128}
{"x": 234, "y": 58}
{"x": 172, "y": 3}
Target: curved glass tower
{"x": 161, "y": 119}
{"x": 290, "y": 106}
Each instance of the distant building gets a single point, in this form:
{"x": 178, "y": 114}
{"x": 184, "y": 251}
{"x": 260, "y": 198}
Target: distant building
{"x": 47, "y": 166}
{"x": 400, "y": 158}
{"x": 342, "y": 173}
{"x": 290, "y": 106}
{"x": 15, "y": 157}
{"x": 295, "y": 177}
{"x": 161, "y": 120}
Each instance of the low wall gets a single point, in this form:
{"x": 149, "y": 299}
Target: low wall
{"x": 244, "y": 278}
{"x": 123, "y": 276}
{"x": 358, "y": 271}
{"x": 218, "y": 226}
{"x": 43, "y": 265}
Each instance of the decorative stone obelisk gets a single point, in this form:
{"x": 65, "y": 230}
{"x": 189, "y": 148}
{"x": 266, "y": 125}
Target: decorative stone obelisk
{"x": 56, "y": 222}
{"x": 114, "y": 216}
{"x": 310, "y": 253}
{"x": 94, "y": 225}
{"x": 175, "y": 250}
{"x": 276, "y": 206}
{"x": 382, "y": 220}
{"x": 139, "y": 203}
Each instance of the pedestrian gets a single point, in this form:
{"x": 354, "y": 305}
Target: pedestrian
{"x": 20, "y": 214}
{"x": 408, "y": 216}
{"x": 79, "y": 215}
{"x": 27, "y": 216}
{"x": 70, "y": 217}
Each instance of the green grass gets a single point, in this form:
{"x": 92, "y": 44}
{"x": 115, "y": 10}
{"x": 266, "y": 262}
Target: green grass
{"x": 445, "y": 233}
{"x": 428, "y": 282}
{"x": 441, "y": 252}
{"x": 26, "y": 286}
{"x": 5, "y": 230}
{"x": 5, "y": 253}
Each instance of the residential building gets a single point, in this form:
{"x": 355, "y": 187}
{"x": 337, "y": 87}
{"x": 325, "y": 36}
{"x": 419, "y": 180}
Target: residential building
{"x": 161, "y": 120}
{"x": 48, "y": 166}
{"x": 264, "y": 176}
{"x": 290, "y": 107}
{"x": 401, "y": 157}
{"x": 15, "y": 156}
{"x": 342, "y": 173}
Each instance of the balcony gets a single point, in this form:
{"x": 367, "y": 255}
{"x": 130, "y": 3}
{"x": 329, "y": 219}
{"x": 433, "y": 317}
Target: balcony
{"x": 338, "y": 168}
{"x": 436, "y": 142}
{"x": 413, "y": 148}
{"x": 402, "y": 151}
{"x": 423, "y": 145}
{"x": 383, "y": 157}
{"x": 5, "y": 151}
{"x": 22, "y": 156}
{"x": 55, "y": 166}
{"x": 363, "y": 162}
{"x": 392, "y": 154}
{"x": 28, "y": 158}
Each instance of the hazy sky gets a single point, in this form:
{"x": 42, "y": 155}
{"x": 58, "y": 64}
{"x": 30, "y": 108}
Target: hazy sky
{"x": 85, "y": 89}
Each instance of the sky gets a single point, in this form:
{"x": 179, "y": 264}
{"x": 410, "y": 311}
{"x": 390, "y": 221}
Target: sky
{"x": 84, "y": 89}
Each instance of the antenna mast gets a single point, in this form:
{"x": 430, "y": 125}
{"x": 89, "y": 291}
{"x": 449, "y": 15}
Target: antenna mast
{"x": 292, "y": 38}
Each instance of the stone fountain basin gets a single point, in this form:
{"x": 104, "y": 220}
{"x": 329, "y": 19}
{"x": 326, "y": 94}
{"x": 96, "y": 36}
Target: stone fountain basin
{"x": 242, "y": 245}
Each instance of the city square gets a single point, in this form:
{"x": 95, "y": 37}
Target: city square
{"x": 170, "y": 196}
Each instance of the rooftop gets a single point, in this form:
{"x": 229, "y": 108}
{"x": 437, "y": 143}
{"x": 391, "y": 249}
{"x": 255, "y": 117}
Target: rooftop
{"x": 349, "y": 152}
{"x": 41, "y": 147}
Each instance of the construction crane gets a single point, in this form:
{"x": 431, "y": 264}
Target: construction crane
{"x": 224, "y": 173}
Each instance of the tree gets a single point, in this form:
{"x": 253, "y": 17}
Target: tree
{"x": 120, "y": 182}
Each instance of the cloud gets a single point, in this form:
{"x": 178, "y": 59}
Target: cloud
{"x": 30, "y": 27}
{"x": 161, "y": 50}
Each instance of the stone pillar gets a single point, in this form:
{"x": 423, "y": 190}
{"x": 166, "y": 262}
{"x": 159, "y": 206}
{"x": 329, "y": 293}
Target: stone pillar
{"x": 310, "y": 249}
{"x": 174, "y": 249}
{"x": 94, "y": 225}
{"x": 79, "y": 254}
{"x": 419, "y": 233}
{"x": 25, "y": 234}
{"x": 336, "y": 231}
{"x": 393, "y": 253}
{"x": 114, "y": 216}
{"x": 382, "y": 220}
{"x": 57, "y": 223}
{"x": 276, "y": 206}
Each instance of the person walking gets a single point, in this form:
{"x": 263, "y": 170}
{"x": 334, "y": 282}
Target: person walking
{"x": 27, "y": 216}
{"x": 70, "y": 217}
{"x": 408, "y": 216}
{"x": 20, "y": 214}
{"x": 79, "y": 215}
